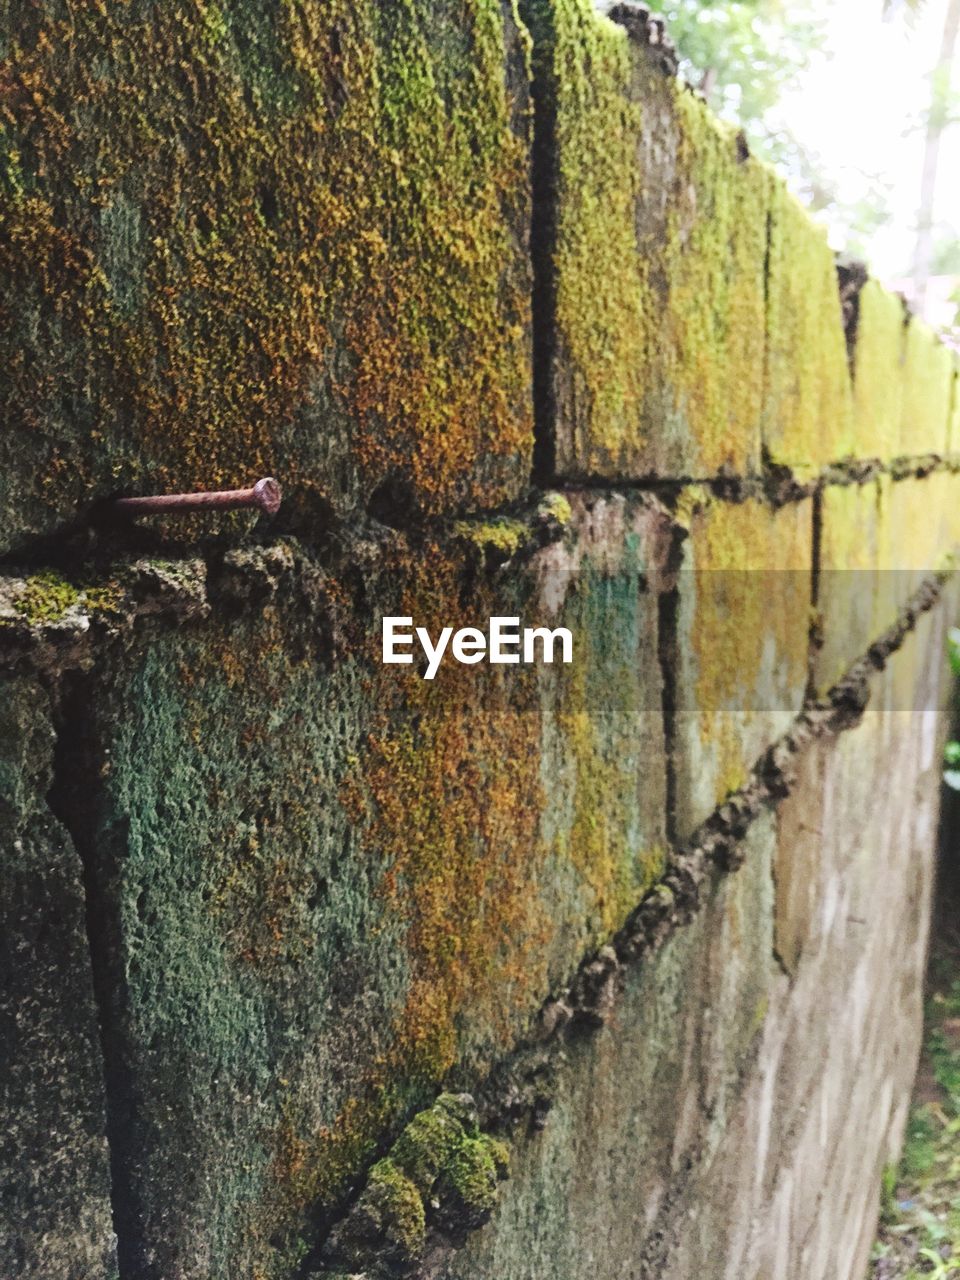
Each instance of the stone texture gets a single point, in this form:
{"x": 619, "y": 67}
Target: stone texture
{"x": 731, "y": 1120}
{"x": 54, "y": 1170}
{"x": 644, "y": 1103}
{"x": 660, "y": 371}
{"x": 302, "y": 252}
{"x": 327, "y": 884}
{"x": 321, "y": 890}
{"x": 740, "y": 644}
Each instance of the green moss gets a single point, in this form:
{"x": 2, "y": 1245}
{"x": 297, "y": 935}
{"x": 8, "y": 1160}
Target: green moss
{"x": 878, "y": 373}
{"x": 106, "y": 598}
{"x": 808, "y": 410}
{"x": 430, "y": 1140}
{"x": 474, "y": 1170}
{"x": 584, "y": 67}
{"x": 503, "y": 537}
{"x": 441, "y": 1170}
{"x": 659, "y": 230}
{"x": 399, "y": 1206}
{"x": 46, "y": 597}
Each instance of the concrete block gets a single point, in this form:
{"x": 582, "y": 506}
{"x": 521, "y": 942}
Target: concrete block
{"x": 658, "y": 224}
{"x": 619, "y": 1173}
{"x": 740, "y": 646}
{"x": 306, "y": 254}
{"x": 54, "y": 1167}
{"x": 776, "y": 1172}
{"x": 878, "y": 381}
{"x": 879, "y": 543}
{"x": 808, "y": 401}
{"x": 928, "y": 376}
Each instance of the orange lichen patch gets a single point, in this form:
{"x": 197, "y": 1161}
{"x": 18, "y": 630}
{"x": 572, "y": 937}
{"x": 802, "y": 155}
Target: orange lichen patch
{"x": 452, "y": 795}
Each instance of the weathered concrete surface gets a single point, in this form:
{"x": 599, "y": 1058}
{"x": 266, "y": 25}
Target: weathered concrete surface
{"x": 733, "y": 1117}
{"x": 326, "y": 884}
{"x": 246, "y": 240}
{"x": 321, "y": 891}
{"x": 54, "y": 1168}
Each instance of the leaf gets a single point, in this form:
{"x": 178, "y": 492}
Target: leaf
{"x": 952, "y": 778}
{"x": 953, "y": 639}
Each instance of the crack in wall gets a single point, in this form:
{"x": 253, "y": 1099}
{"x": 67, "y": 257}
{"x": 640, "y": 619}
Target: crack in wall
{"x": 543, "y": 239}
{"x": 74, "y": 798}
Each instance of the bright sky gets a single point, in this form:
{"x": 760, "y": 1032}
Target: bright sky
{"x": 860, "y": 108}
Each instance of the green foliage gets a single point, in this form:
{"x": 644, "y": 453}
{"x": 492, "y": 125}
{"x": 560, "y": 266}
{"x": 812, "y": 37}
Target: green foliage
{"x": 951, "y": 755}
{"x": 744, "y": 55}
{"x": 920, "y": 1226}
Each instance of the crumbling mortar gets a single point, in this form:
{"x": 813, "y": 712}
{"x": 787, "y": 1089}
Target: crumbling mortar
{"x": 777, "y": 483}
{"x": 109, "y": 599}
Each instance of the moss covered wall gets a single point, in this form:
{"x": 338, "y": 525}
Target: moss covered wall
{"x": 270, "y": 237}
{"x": 302, "y": 945}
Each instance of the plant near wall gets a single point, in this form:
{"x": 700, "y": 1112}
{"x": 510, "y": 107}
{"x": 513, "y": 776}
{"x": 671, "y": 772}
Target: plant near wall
{"x": 951, "y": 756}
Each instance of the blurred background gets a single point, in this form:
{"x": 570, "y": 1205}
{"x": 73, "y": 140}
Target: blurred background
{"x": 857, "y": 103}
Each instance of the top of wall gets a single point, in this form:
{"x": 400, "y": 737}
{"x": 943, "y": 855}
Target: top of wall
{"x": 698, "y": 325}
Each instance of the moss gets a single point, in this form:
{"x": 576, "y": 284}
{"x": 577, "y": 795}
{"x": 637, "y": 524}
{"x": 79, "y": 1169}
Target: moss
{"x": 658, "y": 227}
{"x": 399, "y": 1205}
{"x": 45, "y": 597}
{"x": 808, "y": 410}
{"x": 927, "y": 388}
{"x": 441, "y": 1171}
{"x": 502, "y": 537}
{"x": 280, "y": 910}
{"x": 878, "y": 373}
{"x": 743, "y": 643}
{"x": 104, "y": 598}
{"x": 473, "y": 1171}
{"x": 429, "y": 1141}
{"x": 556, "y": 507}
{"x": 456, "y": 759}
{"x": 328, "y": 267}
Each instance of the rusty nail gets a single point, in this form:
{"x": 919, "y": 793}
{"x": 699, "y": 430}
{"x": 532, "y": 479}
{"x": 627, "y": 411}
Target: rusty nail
{"x": 265, "y": 495}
